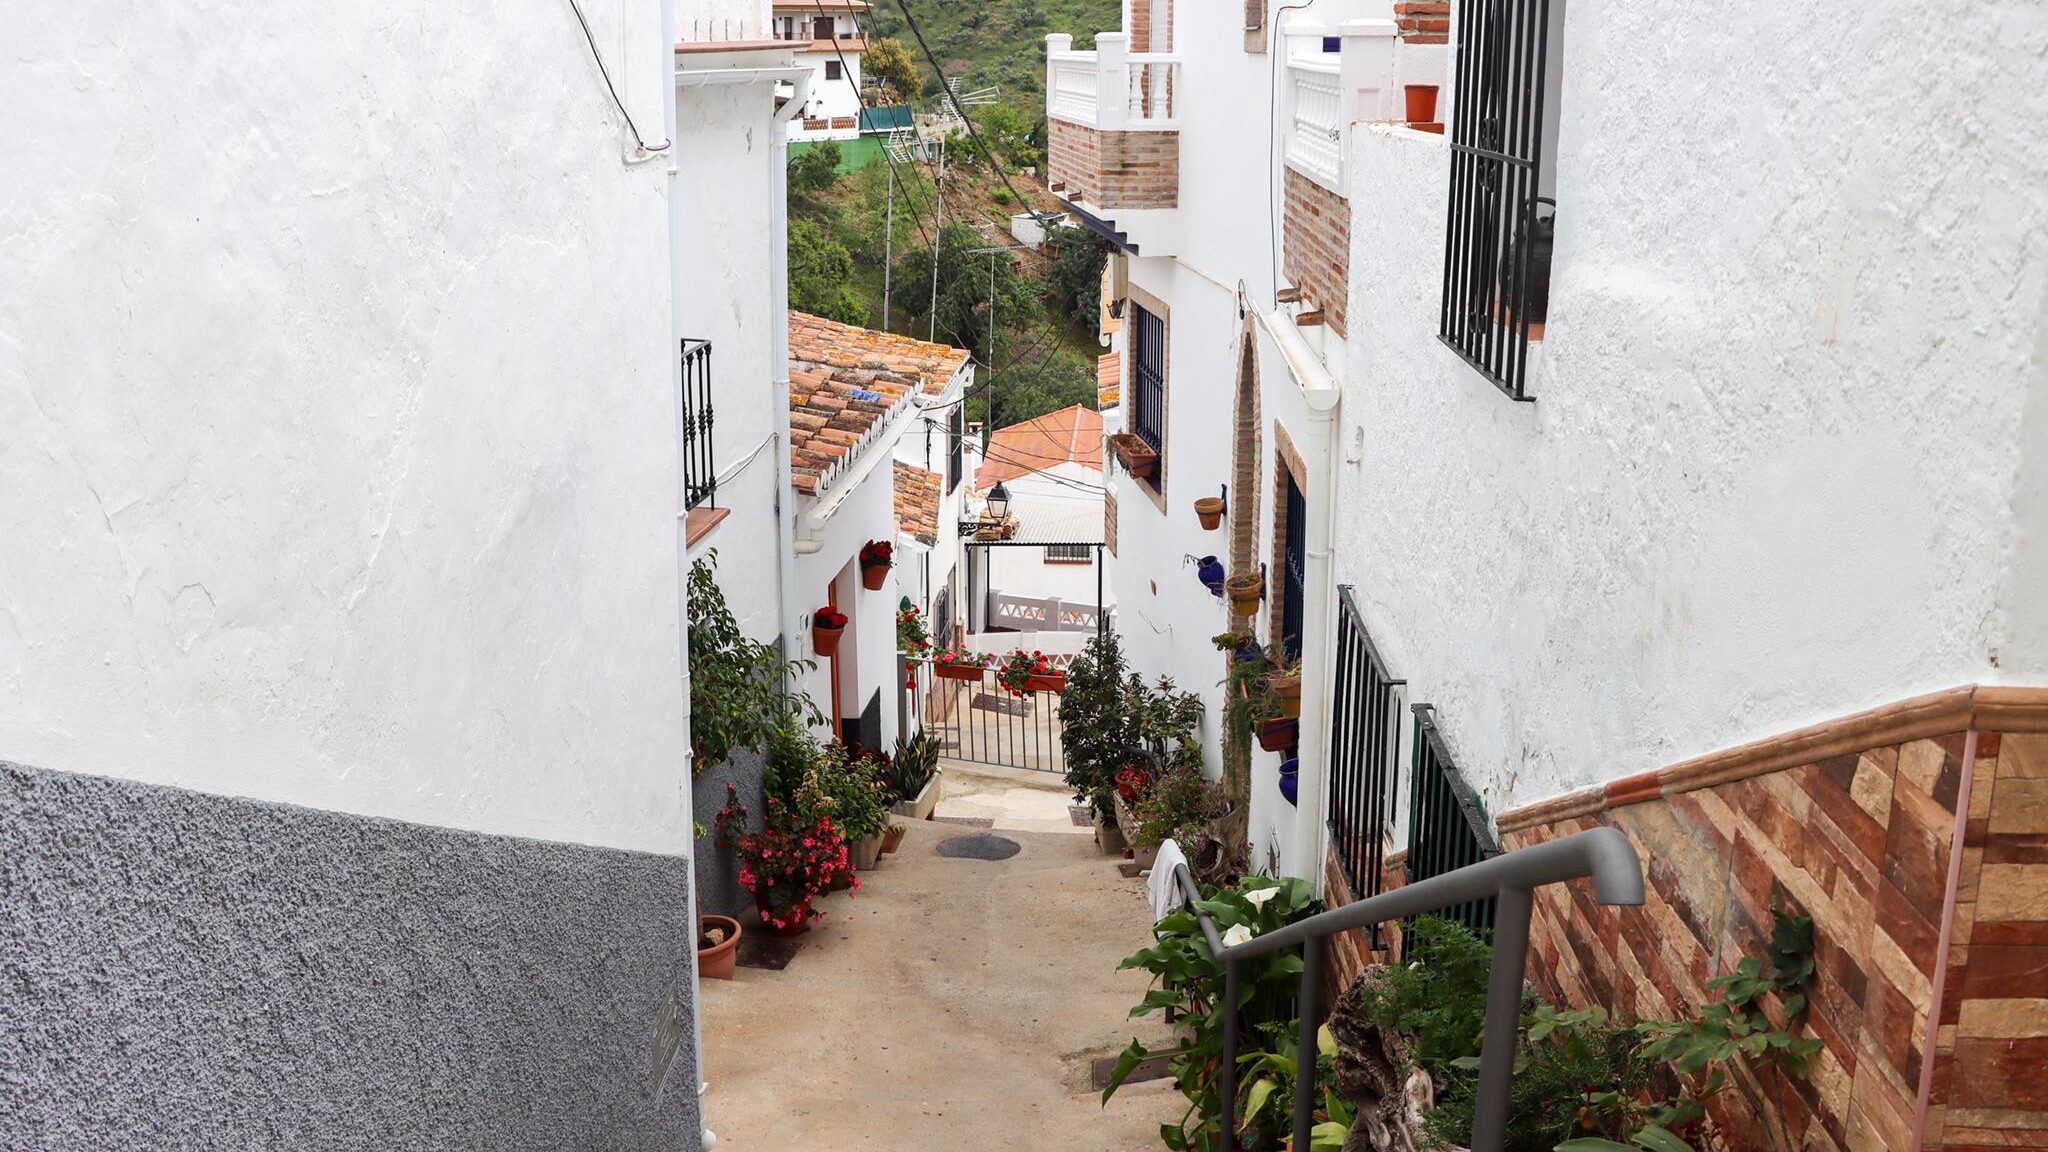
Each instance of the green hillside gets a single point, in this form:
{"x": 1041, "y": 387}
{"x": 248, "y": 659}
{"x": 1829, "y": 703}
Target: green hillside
{"x": 995, "y": 42}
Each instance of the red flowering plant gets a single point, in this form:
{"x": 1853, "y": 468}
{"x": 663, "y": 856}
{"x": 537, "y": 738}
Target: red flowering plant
{"x": 789, "y": 863}
{"x": 876, "y": 554}
{"x": 955, "y": 657}
{"x": 829, "y": 617}
{"x": 1018, "y": 669}
{"x": 1133, "y": 783}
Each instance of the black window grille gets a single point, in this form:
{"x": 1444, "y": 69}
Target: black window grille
{"x": 1497, "y": 247}
{"x": 942, "y": 619}
{"x": 1069, "y": 553}
{"x": 700, "y": 471}
{"x": 832, "y": 70}
{"x": 1294, "y": 571}
{"x": 1148, "y": 381}
{"x": 956, "y": 431}
{"x": 1447, "y": 827}
{"x": 1365, "y": 739}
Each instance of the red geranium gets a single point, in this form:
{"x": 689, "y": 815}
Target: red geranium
{"x": 829, "y": 618}
{"x": 876, "y": 553}
{"x": 1020, "y": 667}
{"x": 789, "y": 862}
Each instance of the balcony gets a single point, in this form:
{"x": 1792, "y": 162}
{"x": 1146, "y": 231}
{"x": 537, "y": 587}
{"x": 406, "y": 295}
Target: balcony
{"x": 1113, "y": 129}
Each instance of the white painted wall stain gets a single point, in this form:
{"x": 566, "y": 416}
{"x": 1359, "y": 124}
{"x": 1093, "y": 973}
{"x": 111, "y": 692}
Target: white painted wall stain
{"x": 340, "y": 457}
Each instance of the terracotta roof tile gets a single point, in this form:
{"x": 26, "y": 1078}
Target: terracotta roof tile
{"x": 1108, "y": 380}
{"x": 844, "y": 383}
{"x": 1070, "y": 435}
{"x": 917, "y": 503}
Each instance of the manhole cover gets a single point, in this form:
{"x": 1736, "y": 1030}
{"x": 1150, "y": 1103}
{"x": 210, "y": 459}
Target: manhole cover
{"x": 980, "y": 847}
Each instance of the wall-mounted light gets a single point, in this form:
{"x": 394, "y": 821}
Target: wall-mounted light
{"x": 999, "y": 501}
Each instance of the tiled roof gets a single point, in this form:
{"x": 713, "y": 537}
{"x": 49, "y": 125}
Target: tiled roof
{"x": 1108, "y": 380}
{"x": 1070, "y": 435}
{"x": 844, "y": 383}
{"x": 917, "y": 503}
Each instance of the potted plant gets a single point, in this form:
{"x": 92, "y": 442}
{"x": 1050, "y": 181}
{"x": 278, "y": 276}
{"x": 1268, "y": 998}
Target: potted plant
{"x": 856, "y": 798}
{"x": 795, "y": 858}
{"x": 1284, "y": 682}
{"x": 1209, "y": 510}
{"x": 1209, "y": 570}
{"x": 718, "y": 942}
{"x": 828, "y": 624}
{"x": 736, "y": 696}
{"x": 1290, "y": 780}
{"x": 1245, "y": 590}
{"x": 875, "y": 558}
{"x": 1025, "y": 672}
{"x": 960, "y": 664}
{"x": 1138, "y": 457}
{"x": 892, "y": 838}
{"x": 915, "y": 778}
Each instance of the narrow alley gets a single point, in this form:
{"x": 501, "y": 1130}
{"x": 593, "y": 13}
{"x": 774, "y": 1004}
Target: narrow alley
{"x": 950, "y": 1003}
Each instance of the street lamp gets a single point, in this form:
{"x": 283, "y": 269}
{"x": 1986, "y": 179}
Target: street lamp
{"x": 999, "y": 502}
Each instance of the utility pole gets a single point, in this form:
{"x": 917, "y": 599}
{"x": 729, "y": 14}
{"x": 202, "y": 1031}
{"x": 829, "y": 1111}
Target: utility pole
{"x": 888, "y": 238}
{"x": 990, "y": 383}
{"x": 938, "y": 230}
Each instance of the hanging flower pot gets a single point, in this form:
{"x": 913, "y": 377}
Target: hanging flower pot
{"x": 1278, "y": 735}
{"x": 1290, "y": 781}
{"x": 1421, "y": 103}
{"x": 1246, "y": 591}
{"x": 1138, "y": 457}
{"x": 876, "y": 556}
{"x": 960, "y": 664}
{"x": 1286, "y": 688}
{"x": 1210, "y": 571}
{"x": 827, "y": 626}
{"x": 1046, "y": 682}
{"x": 1209, "y": 510}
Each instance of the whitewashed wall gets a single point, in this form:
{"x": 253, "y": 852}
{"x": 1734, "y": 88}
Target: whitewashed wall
{"x": 723, "y": 20}
{"x": 1784, "y": 457}
{"x": 729, "y": 178}
{"x": 868, "y": 649}
{"x": 339, "y": 464}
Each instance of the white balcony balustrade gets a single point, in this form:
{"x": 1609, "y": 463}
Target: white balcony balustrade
{"x": 1111, "y": 88}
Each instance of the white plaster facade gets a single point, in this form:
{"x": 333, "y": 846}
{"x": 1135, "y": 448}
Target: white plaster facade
{"x": 1061, "y": 504}
{"x": 1785, "y": 456}
{"x": 829, "y": 47}
{"x": 339, "y": 464}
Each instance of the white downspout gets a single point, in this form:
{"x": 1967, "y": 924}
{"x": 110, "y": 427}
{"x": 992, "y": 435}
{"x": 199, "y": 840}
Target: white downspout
{"x": 778, "y": 345}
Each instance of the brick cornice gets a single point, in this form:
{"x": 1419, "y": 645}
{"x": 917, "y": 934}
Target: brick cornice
{"x": 1988, "y": 708}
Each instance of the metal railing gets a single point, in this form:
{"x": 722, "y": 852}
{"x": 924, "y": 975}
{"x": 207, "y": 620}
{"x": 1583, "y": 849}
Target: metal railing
{"x": 700, "y": 468}
{"x": 1508, "y": 881}
{"x": 1447, "y": 828}
{"x": 1497, "y": 248}
{"x": 1365, "y": 740}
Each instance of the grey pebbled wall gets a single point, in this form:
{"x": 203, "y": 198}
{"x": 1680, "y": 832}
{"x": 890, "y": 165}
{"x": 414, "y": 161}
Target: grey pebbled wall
{"x": 185, "y": 971}
{"x": 718, "y": 874}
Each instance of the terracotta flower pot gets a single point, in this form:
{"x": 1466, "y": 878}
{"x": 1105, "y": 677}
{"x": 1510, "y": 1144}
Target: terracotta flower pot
{"x": 1138, "y": 457}
{"x": 1421, "y": 103}
{"x": 893, "y": 838}
{"x": 824, "y": 640}
{"x": 958, "y": 671}
{"x": 1046, "y": 682}
{"x": 1245, "y": 593}
{"x": 717, "y": 961}
{"x": 1287, "y": 692}
{"x": 1209, "y": 510}
{"x": 1278, "y": 735}
{"x": 798, "y": 923}
{"x": 874, "y": 576}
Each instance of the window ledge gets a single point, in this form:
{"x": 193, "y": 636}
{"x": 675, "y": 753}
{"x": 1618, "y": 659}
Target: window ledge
{"x": 698, "y": 523}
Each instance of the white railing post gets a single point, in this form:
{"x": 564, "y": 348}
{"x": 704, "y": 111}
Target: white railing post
{"x": 1057, "y": 44}
{"x": 1368, "y": 79}
{"x": 1112, "y": 79}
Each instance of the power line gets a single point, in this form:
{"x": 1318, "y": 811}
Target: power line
{"x": 973, "y": 133}
{"x": 613, "y": 89}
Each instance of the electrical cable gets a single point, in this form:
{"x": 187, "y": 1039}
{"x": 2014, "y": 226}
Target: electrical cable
{"x": 994, "y": 164}
{"x": 591, "y": 40}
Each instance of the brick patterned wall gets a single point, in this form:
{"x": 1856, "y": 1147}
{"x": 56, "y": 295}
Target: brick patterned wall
{"x": 1860, "y": 842}
{"x": 1109, "y": 519}
{"x": 1115, "y": 169}
{"x": 1350, "y": 952}
{"x": 1244, "y": 462}
{"x": 1316, "y": 231}
{"x": 1424, "y": 22}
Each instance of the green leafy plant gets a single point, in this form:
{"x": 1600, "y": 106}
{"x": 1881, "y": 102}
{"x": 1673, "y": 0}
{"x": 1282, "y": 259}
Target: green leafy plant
{"x": 856, "y": 800}
{"x": 915, "y": 763}
{"x": 738, "y": 686}
{"x": 1187, "y": 978}
{"x": 1180, "y": 802}
{"x": 1096, "y": 732}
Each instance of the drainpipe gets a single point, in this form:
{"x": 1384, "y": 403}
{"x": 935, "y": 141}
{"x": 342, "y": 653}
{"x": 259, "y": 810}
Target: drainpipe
{"x": 778, "y": 350}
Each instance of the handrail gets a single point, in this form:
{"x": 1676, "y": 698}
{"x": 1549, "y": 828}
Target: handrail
{"x": 1602, "y": 853}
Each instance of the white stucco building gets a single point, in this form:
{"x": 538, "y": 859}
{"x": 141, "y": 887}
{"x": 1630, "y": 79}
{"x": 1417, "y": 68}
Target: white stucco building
{"x": 1049, "y": 578}
{"x": 829, "y": 42}
{"x": 1770, "y": 457}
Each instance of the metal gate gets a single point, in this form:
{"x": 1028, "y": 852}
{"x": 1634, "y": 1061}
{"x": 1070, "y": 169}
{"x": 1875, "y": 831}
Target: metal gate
{"x": 1365, "y": 749}
{"x": 982, "y": 722}
{"x": 1447, "y": 827}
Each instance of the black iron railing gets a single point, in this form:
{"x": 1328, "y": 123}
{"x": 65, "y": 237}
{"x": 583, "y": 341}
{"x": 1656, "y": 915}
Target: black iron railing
{"x": 1294, "y": 573}
{"x": 700, "y": 470}
{"x": 956, "y": 431}
{"x": 1365, "y": 749}
{"x": 1447, "y": 828}
{"x": 978, "y": 721}
{"x": 1148, "y": 379}
{"x": 1497, "y": 249}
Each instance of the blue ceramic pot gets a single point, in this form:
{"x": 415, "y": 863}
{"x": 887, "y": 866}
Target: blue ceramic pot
{"x": 1210, "y": 571}
{"x": 1290, "y": 781}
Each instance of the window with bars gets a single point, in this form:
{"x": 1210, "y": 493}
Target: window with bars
{"x": 1294, "y": 571}
{"x": 1501, "y": 216}
{"x": 1364, "y": 754}
{"x": 956, "y": 432}
{"x": 1447, "y": 825}
{"x": 700, "y": 470}
{"x": 1148, "y": 383}
{"x": 1069, "y": 553}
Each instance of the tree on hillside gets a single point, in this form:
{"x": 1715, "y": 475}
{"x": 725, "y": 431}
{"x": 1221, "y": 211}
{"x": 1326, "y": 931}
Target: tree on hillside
{"x": 813, "y": 170}
{"x": 889, "y": 62}
{"x": 820, "y": 271}
{"x": 963, "y": 289}
{"x": 1075, "y": 279}
{"x": 1055, "y": 381}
